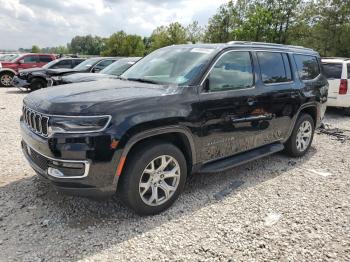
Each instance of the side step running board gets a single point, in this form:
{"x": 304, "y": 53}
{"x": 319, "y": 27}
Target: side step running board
{"x": 242, "y": 158}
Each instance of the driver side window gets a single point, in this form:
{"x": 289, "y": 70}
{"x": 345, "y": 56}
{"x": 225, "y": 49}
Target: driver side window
{"x": 231, "y": 72}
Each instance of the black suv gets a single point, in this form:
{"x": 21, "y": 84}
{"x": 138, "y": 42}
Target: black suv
{"x": 182, "y": 109}
{"x": 35, "y": 78}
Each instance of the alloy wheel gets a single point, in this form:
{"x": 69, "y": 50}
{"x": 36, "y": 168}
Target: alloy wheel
{"x": 304, "y": 136}
{"x": 159, "y": 180}
{"x": 6, "y": 80}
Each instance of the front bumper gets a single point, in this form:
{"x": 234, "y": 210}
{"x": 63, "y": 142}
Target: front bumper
{"x": 71, "y": 166}
{"x": 18, "y": 82}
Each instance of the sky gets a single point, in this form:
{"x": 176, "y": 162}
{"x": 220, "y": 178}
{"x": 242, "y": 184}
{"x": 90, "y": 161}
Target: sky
{"x": 47, "y": 23}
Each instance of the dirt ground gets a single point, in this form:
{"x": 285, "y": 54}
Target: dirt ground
{"x": 272, "y": 209}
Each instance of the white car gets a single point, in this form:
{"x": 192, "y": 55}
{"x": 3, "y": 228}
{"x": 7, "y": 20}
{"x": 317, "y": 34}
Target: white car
{"x": 337, "y": 71}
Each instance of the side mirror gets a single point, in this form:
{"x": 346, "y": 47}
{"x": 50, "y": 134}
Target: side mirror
{"x": 206, "y": 85}
{"x": 21, "y": 61}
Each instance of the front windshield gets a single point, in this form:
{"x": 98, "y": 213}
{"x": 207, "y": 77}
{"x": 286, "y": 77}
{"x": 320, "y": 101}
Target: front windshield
{"x": 86, "y": 64}
{"x": 176, "y": 65}
{"x": 118, "y": 67}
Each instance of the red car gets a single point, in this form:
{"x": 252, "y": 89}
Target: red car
{"x": 9, "y": 69}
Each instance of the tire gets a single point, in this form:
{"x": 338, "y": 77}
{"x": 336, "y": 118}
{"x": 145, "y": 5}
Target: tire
{"x": 6, "y": 79}
{"x": 37, "y": 83}
{"x": 293, "y": 147}
{"x": 136, "y": 196}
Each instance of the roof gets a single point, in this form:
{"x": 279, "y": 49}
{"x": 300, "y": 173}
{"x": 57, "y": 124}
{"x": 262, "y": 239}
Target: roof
{"x": 260, "y": 45}
{"x": 335, "y": 59}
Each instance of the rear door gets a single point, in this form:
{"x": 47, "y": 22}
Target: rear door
{"x": 333, "y": 72}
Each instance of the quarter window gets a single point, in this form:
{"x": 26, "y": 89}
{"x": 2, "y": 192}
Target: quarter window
{"x": 307, "y": 66}
{"x": 232, "y": 71}
{"x": 348, "y": 67}
{"x": 45, "y": 58}
{"x": 274, "y": 67}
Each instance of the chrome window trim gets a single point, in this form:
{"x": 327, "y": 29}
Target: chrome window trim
{"x": 212, "y": 66}
{"x": 86, "y": 163}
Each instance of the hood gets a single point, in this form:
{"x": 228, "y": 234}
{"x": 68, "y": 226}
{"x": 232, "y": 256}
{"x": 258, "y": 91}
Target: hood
{"x": 61, "y": 71}
{"x": 79, "y": 98}
{"x": 86, "y": 77}
{"x": 31, "y": 70}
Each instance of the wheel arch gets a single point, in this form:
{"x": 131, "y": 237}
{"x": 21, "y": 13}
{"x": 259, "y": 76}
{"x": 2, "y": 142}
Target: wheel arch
{"x": 309, "y": 108}
{"x": 177, "y": 135}
{"x": 8, "y": 70}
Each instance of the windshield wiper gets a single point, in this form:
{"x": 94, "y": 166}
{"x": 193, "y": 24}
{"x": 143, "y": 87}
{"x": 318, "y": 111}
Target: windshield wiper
{"x": 142, "y": 80}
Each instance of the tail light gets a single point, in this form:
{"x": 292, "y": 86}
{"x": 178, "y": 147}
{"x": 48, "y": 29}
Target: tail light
{"x": 343, "y": 87}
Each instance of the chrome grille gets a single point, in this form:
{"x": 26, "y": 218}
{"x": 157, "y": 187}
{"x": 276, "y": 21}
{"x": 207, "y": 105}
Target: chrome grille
{"x": 36, "y": 121}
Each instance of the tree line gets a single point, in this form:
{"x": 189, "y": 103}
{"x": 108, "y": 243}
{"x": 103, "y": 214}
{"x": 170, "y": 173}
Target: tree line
{"x": 323, "y": 25}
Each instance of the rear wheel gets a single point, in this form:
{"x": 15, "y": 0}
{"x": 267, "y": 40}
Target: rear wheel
{"x": 153, "y": 178}
{"x": 300, "y": 141}
{"x": 37, "y": 83}
{"x": 6, "y": 79}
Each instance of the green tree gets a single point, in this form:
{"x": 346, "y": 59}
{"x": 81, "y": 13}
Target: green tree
{"x": 122, "y": 44}
{"x": 194, "y": 32}
{"x": 87, "y": 45}
{"x": 163, "y": 36}
{"x": 35, "y": 49}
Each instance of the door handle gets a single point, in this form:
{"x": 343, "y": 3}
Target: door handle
{"x": 251, "y": 101}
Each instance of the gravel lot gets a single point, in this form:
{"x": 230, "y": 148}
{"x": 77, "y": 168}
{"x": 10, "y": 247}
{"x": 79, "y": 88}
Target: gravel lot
{"x": 274, "y": 208}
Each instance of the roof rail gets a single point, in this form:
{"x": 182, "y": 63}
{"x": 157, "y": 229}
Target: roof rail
{"x": 267, "y": 44}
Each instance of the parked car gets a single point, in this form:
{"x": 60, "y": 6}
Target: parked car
{"x": 10, "y": 68}
{"x": 92, "y": 65}
{"x": 8, "y": 57}
{"x": 112, "y": 71}
{"x": 337, "y": 71}
{"x": 182, "y": 109}
{"x": 35, "y": 78}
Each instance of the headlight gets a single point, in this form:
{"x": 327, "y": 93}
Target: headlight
{"x": 56, "y": 78}
{"x": 80, "y": 124}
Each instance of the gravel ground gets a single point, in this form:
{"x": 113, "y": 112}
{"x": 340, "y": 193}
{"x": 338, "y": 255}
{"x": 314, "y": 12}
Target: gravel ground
{"x": 275, "y": 208}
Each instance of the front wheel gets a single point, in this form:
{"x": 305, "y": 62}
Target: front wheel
{"x": 154, "y": 177}
{"x": 300, "y": 141}
{"x": 6, "y": 79}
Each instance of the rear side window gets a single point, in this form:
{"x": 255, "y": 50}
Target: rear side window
{"x": 62, "y": 64}
{"x": 332, "y": 70}
{"x": 45, "y": 58}
{"x": 77, "y": 61}
{"x": 307, "y": 66}
{"x": 274, "y": 67}
{"x": 30, "y": 59}
{"x": 104, "y": 64}
{"x": 348, "y": 67}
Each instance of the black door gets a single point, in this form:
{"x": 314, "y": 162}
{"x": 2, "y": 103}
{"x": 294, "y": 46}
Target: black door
{"x": 245, "y": 107}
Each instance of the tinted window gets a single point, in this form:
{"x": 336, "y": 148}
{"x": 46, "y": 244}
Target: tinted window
{"x": 307, "y": 66}
{"x": 103, "y": 64}
{"x": 332, "y": 70}
{"x": 232, "y": 71}
{"x": 77, "y": 62}
{"x": 45, "y": 58}
{"x": 30, "y": 59}
{"x": 62, "y": 64}
{"x": 274, "y": 67}
{"x": 348, "y": 67}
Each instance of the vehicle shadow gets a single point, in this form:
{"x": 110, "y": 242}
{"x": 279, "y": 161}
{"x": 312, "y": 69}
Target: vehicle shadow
{"x": 34, "y": 217}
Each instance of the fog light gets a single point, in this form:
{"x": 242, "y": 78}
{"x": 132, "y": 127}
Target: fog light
{"x": 54, "y": 172}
